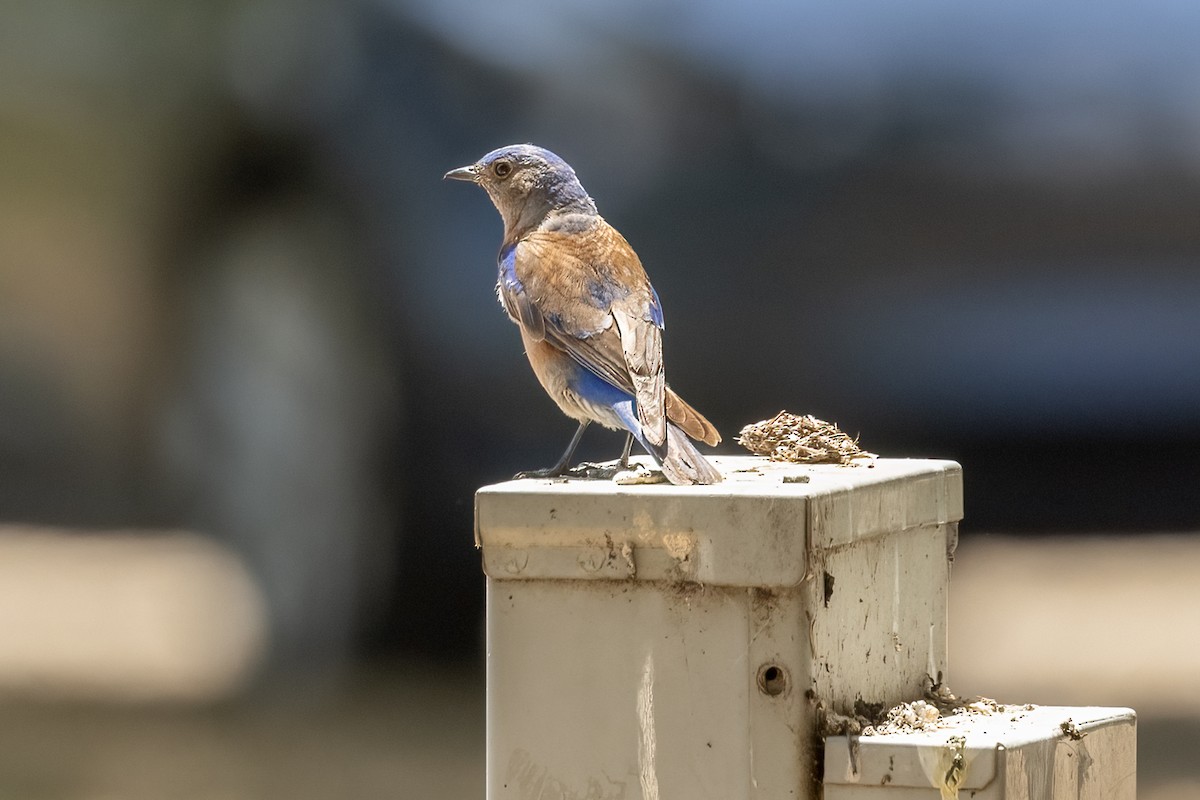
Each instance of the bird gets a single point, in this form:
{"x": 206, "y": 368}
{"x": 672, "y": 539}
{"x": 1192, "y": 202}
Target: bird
{"x": 589, "y": 318}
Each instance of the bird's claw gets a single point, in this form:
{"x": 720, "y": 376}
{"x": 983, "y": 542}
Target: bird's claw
{"x": 586, "y": 470}
{"x": 594, "y": 471}
{"x": 549, "y": 472}
{"x": 629, "y": 473}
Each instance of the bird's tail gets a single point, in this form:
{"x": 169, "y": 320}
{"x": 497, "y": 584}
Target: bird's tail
{"x": 681, "y": 462}
{"x": 690, "y": 420}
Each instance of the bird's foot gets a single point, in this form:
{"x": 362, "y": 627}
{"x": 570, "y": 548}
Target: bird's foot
{"x": 624, "y": 474}
{"x": 548, "y": 472}
{"x": 639, "y": 473}
{"x": 585, "y": 470}
{"x": 629, "y": 473}
{"x": 595, "y": 471}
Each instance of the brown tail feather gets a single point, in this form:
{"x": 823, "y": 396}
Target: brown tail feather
{"x": 690, "y": 421}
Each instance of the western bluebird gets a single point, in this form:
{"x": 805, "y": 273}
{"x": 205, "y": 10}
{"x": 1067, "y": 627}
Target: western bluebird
{"x": 590, "y": 320}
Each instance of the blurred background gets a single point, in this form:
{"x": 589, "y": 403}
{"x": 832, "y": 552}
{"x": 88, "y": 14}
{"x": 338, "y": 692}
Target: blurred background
{"x": 252, "y": 367}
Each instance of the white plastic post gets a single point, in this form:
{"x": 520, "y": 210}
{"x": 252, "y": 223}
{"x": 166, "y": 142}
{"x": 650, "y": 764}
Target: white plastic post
{"x": 672, "y": 643}
{"x": 1025, "y": 753}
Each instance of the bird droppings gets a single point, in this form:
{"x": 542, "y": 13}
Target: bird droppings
{"x": 953, "y": 764}
{"x": 938, "y": 693}
{"x": 834, "y": 724}
{"x": 831, "y": 723}
{"x": 801, "y": 439}
{"x": 867, "y": 709}
{"x": 920, "y": 715}
{"x": 939, "y": 710}
{"x": 679, "y": 545}
{"x": 1071, "y": 730}
{"x": 906, "y": 718}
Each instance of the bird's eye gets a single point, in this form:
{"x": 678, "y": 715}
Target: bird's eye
{"x": 502, "y": 168}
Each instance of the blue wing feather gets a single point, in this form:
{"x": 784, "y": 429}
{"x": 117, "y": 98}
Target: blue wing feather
{"x": 656, "y": 315}
{"x": 514, "y": 297}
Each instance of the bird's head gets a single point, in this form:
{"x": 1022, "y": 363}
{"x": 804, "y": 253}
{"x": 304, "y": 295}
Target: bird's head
{"x": 526, "y": 183}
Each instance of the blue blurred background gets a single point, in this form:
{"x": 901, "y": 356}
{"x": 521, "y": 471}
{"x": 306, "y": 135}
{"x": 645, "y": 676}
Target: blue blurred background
{"x": 237, "y": 299}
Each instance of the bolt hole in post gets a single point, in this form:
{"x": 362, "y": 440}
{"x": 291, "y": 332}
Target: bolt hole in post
{"x": 772, "y": 680}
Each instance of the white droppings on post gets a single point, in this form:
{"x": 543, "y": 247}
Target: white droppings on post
{"x": 647, "y": 745}
{"x": 678, "y": 545}
{"x": 643, "y": 525}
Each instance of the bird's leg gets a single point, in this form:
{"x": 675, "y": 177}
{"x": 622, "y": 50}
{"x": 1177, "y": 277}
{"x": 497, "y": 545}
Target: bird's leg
{"x": 624, "y": 462}
{"x": 561, "y": 465}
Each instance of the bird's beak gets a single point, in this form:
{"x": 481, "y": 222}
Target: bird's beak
{"x": 462, "y": 174}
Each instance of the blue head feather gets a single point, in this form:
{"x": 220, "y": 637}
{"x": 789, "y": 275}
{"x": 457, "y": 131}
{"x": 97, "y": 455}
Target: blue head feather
{"x": 527, "y": 183}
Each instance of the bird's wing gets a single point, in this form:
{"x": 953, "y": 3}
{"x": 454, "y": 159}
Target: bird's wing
{"x": 591, "y": 292}
{"x": 515, "y": 299}
{"x": 641, "y": 345}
